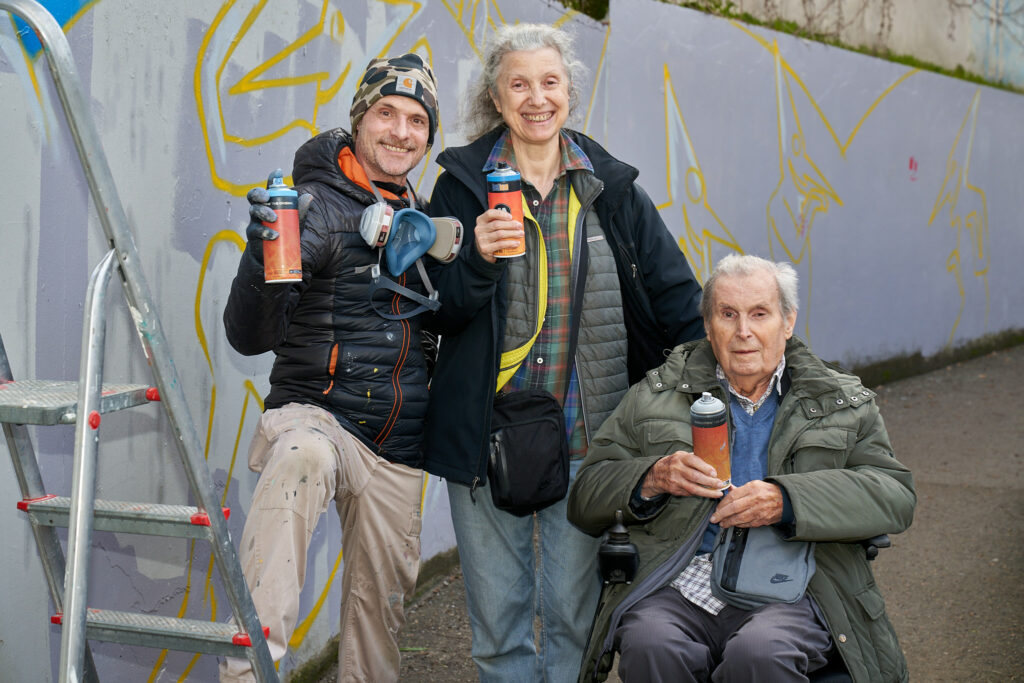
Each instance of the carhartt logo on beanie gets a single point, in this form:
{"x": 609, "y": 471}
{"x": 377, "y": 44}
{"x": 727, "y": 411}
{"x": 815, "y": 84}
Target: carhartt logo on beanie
{"x": 407, "y": 75}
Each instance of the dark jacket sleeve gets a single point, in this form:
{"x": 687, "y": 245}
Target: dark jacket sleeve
{"x": 671, "y": 286}
{"x": 257, "y": 314}
{"x": 468, "y": 284}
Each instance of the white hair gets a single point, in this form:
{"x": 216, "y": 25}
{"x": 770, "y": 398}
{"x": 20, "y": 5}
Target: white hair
{"x": 742, "y": 265}
{"x": 480, "y": 114}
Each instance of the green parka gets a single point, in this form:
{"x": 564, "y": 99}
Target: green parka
{"x": 828, "y": 449}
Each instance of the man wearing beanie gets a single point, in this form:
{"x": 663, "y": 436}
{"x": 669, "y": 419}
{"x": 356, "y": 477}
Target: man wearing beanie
{"x": 348, "y": 389}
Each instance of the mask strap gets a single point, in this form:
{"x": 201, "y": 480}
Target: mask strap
{"x": 426, "y": 280}
{"x": 431, "y": 303}
{"x": 412, "y": 195}
{"x": 408, "y": 191}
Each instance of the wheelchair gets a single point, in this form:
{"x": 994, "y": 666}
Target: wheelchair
{"x": 618, "y": 561}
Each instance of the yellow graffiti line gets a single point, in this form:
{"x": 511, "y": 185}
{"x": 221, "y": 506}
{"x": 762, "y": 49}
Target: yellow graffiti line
{"x": 303, "y": 628}
{"x": 198, "y": 92}
{"x": 597, "y": 77}
{"x": 222, "y": 236}
{"x": 497, "y": 10}
{"x": 773, "y": 47}
{"x": 229, "y": 236}
{"x": 979, "y": 231}
{"x": 459, "y": 16}
{"x": 700, "y": 240}
{"x": 158, "y": 666}
{"x": 564, "y": 19}
{"x": 218, "y": 182}
{"x": 188, "y": 668}
{"x": 416, "y": 7}
{"x": 878, "y": 100}
{"x": 468, "y": 35}
{"x": 324, "y": 95}
{"x": 424, "y": 44}
{"x": 669, "y": 88}
{"x": 955, "y": 180}
{"x": 251, "y": 81}
{"x": 273, "y": 135}
{"x": 250, "y": 19}
{"x": 952, "y": 168}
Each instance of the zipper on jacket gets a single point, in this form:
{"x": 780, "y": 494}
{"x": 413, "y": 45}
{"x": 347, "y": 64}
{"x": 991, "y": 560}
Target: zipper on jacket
{"x": 396, "y": 403}
{"x": 581, "y": 222}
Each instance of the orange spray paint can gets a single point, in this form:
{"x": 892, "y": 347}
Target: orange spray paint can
{"x": 282, "y": 258}
{"x": 505, "y": 192}
{"x": 709, "y": 424}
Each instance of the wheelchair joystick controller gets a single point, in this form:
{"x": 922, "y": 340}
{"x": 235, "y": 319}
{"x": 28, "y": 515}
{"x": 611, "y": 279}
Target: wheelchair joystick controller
{"x": 617, "y": 557}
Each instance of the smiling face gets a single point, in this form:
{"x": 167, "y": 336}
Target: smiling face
{"x": 532, "y": 95}
{"x": 748, "y": 331}
{"x": 392, "y": 138}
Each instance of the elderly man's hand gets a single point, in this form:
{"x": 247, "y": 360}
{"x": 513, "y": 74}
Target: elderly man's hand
{"x": 756, "y": 503}
{"x": 682, "y": 474}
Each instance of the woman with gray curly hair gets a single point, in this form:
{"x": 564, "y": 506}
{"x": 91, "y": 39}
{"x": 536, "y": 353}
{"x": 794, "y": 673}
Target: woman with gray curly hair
{"x": 599, "y": 257}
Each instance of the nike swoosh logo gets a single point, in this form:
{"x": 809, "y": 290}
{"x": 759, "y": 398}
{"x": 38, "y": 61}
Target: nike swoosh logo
{"x": 780, "y": 578}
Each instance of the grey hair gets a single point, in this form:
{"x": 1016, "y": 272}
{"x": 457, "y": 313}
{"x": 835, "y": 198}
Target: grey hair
{"x": 742, "y": 265}
{"x": 480, "y": 114}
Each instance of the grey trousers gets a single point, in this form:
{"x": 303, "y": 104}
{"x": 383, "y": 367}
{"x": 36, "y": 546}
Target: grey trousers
{"x": 665, "y": 637}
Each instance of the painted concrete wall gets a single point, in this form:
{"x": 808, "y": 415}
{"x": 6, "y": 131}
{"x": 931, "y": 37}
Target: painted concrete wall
{"x": 896, "y": 193}
{"x": 985, "y": 37}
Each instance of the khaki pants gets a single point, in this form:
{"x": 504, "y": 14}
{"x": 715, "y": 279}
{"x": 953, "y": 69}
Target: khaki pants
{"x": 307, "y": 460}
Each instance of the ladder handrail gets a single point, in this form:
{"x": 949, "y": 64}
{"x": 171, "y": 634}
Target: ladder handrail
{"x": 83, "y": 477}
{"x": 31, "y": 484}
{"x": 136, "y": 290}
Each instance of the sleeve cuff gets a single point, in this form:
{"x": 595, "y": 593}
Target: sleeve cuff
{"x": 787, "y": 525}
{"x": 642, "y": 507}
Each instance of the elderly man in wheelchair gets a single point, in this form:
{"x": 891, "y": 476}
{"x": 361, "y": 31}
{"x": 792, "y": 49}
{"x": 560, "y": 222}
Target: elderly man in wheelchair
{"x": 812, "y": 468}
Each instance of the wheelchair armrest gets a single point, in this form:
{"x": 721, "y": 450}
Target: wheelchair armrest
{"x": 874, "y": 544}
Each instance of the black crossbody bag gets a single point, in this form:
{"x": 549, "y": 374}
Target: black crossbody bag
{"x": 528, "y": 464}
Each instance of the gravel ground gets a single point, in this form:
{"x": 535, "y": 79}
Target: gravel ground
{"x": 954, "y": 583}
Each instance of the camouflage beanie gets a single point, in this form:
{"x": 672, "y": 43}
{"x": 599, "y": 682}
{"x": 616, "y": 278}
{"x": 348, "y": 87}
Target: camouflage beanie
{"x": 406, "y": 75}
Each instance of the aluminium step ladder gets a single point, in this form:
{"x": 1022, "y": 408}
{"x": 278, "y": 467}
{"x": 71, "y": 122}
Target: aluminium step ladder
{"x": 40, "y": 402}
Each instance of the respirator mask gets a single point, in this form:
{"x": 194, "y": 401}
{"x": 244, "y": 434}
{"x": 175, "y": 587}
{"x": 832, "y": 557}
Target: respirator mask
{"x": 408, "y": 234}
{"x": 404, "y": 237}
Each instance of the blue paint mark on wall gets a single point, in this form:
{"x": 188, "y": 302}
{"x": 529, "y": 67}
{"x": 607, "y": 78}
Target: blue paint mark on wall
{"x": 62, "y": 10}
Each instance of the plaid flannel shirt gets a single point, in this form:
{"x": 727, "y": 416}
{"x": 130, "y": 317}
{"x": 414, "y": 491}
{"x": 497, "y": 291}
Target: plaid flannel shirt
{"x": 549, "y": 365}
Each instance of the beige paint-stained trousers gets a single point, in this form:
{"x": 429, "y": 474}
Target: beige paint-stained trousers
{"x": 307, "y": 460}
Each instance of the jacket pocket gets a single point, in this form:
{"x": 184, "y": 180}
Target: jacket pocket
{"x": 882, "y": 644}
{"x": 665, "y": 437}
{"x": 820, "y": 449}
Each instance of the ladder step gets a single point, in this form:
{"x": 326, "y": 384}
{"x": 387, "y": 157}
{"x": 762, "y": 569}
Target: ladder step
{"x": 147, "y": 630}
{"x": 51, "y": 402}
{"x": 152, "y": 519}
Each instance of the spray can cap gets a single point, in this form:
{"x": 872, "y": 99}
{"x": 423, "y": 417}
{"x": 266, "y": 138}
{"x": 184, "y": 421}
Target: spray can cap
{"x": 706, "y": 405}
{"x": 275, "y": 179}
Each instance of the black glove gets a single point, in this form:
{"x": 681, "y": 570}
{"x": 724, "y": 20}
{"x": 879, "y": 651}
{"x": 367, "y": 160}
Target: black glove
{"x": 260, "y": 213}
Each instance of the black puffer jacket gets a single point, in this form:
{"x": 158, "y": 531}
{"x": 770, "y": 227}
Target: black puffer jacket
{"x": 332, "y": 349}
